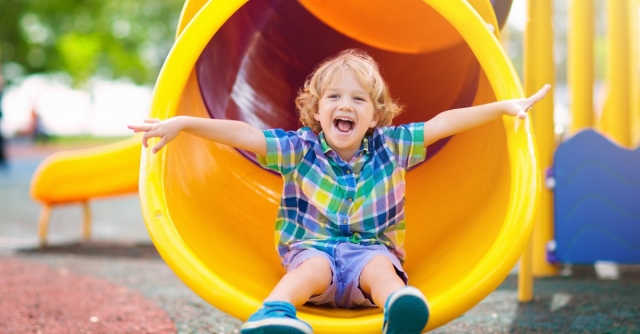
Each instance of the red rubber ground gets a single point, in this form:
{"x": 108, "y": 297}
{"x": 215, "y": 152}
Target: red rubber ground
{"x": 37, "y": 299}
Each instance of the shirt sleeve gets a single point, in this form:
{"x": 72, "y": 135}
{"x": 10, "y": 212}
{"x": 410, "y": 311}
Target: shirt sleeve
{"x": 406, "y": 143}
{"x": 285, "y": 150}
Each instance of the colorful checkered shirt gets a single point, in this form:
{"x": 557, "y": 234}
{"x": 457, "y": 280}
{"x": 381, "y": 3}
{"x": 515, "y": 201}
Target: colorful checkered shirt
{"x": 326, "y": 201}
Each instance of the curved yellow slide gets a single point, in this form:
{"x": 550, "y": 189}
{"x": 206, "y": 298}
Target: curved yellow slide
{"x": 210, "y": 209}
{"x": 81, "y": 175}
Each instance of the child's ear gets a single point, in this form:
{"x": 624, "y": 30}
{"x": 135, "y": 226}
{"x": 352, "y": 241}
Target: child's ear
{"x": 316, "y": 116}
{"x": 375, "y": 119}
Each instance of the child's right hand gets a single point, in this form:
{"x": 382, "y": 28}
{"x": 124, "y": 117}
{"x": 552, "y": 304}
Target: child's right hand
{"x": 166, "y": 130}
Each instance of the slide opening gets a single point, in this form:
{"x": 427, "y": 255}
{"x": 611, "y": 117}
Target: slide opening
{"x": 210, "y": 209}
{"x": 224, "y": 206}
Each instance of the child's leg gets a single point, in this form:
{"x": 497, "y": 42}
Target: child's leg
{"x": 405, "y": 308}
{"x": 379, "y": 279}
{"x": 311, "y": 278}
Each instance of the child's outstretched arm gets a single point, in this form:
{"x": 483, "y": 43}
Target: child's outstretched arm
{"x": 454, "y": 121}
{"x": 233, "y": 133}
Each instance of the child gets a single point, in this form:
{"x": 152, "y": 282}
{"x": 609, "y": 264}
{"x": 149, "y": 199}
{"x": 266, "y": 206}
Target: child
{"x": 341, "y": 225}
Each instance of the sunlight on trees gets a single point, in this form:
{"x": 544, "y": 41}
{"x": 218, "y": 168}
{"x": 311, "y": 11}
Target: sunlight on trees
{"x": 111, "y": 39}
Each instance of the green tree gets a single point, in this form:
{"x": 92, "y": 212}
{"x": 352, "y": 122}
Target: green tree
{"x": 112, "y": 39}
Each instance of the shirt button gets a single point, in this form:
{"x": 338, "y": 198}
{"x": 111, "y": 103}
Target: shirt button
{"x": 344, "y": 221}
{"x": 350, "y": 199}
{"x": 348, "y": 171}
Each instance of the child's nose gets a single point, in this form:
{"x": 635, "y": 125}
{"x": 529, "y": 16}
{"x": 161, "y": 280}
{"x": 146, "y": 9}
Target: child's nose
{"x": 346, "y": 107}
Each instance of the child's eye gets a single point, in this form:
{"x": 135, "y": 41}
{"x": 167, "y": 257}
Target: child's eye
{"x": 334, "y": 96}
{"x": 359, "y": 98}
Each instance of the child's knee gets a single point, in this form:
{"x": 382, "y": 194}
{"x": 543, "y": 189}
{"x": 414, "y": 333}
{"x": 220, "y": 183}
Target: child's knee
{"x": 380, "y": 262}
{"x": 381, "y": 268}
{"x": 317, "y": 265}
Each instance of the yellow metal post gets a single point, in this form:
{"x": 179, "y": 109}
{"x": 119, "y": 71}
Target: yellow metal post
{"x": 634, "y": 16}
{"x": 539, "y": 69}
{"x": 525, "y": 275}
{"x": 615, "y": 118}
{"x": 580, "y": 64}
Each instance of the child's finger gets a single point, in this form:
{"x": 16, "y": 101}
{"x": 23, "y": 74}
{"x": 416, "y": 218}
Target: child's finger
{"x": 160, "y": 144}
{"x": 139, "y": 128}
{"x": 540, "y": 94}
{"x": 151, "y": 120}
{"x": 535, "y": 98}
{"x": 145, "y": 138}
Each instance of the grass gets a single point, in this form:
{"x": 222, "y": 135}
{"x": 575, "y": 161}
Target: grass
{"x": 82, "y": 140}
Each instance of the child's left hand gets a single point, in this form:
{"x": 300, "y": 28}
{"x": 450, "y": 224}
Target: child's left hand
{"x": 520, "y": 107}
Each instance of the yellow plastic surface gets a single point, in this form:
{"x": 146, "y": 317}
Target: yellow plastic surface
{"x": 634, "y": 87}
{"x": 539, "y": 70}
{"x": 580, "y": 64}
{"x": 80, "y": 175}
{"x": 615, "y": 119}
{"x": 470, "y": 208}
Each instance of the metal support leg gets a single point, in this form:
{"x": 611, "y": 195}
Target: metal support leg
{"x": 86, "y": 224}
{"x": 43, "y": 224}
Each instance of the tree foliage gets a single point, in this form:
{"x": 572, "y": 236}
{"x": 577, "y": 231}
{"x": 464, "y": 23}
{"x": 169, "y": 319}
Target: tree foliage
{"x": 111, "y": 39}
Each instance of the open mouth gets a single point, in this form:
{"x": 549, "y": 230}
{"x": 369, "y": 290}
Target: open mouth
{"x": 344, "y": 125}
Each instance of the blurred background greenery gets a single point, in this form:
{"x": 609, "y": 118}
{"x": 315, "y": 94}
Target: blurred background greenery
{"x": 86, "y": 38}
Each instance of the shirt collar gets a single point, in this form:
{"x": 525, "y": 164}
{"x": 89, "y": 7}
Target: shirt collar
{"x": 364, "y": 147}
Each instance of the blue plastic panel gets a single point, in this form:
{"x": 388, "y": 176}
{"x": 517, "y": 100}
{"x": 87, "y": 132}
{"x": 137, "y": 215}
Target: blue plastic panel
{"x": 597, "y": 201}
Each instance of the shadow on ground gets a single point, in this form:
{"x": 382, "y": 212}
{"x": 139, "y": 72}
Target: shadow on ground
{"x": 138, "y": 251}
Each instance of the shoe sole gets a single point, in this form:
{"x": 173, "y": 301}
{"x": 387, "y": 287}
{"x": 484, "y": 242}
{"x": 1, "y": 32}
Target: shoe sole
{"x": 275, "y": 326}
{"x": 409, "y": 313}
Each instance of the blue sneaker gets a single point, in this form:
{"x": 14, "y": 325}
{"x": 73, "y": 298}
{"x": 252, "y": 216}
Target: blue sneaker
{"x": 405, "y": 312}
{"x": 275, "y": 318}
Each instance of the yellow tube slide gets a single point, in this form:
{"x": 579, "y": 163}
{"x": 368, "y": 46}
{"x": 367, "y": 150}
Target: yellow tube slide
{"x": 80, "y": 175}
{"x": 210, "y": 210}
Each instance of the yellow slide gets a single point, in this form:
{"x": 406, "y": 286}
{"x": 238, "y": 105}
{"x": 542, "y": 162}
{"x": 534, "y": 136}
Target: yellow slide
{"x": 81, "y": 175}
{"x": 210, "y": 209}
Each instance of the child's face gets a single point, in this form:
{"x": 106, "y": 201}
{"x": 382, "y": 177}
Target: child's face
{"x": 345, "y": 113}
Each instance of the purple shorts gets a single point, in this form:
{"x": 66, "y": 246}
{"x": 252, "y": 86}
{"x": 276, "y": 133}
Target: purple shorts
{"x": 346, "y": 266}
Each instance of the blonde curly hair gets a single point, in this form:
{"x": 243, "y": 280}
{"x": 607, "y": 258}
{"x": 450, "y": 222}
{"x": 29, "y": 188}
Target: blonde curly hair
{"x": 366, "y": 71}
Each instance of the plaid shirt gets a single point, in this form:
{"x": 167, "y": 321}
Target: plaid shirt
{"x": 327, "y": 201}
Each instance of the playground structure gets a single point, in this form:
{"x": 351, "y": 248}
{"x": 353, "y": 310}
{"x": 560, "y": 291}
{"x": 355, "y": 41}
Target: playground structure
{"x": 226, "y": 269}
{"x": 593, "y": 216}
{"x": 467, "y": 227}
{"x": 72, "y": 177}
